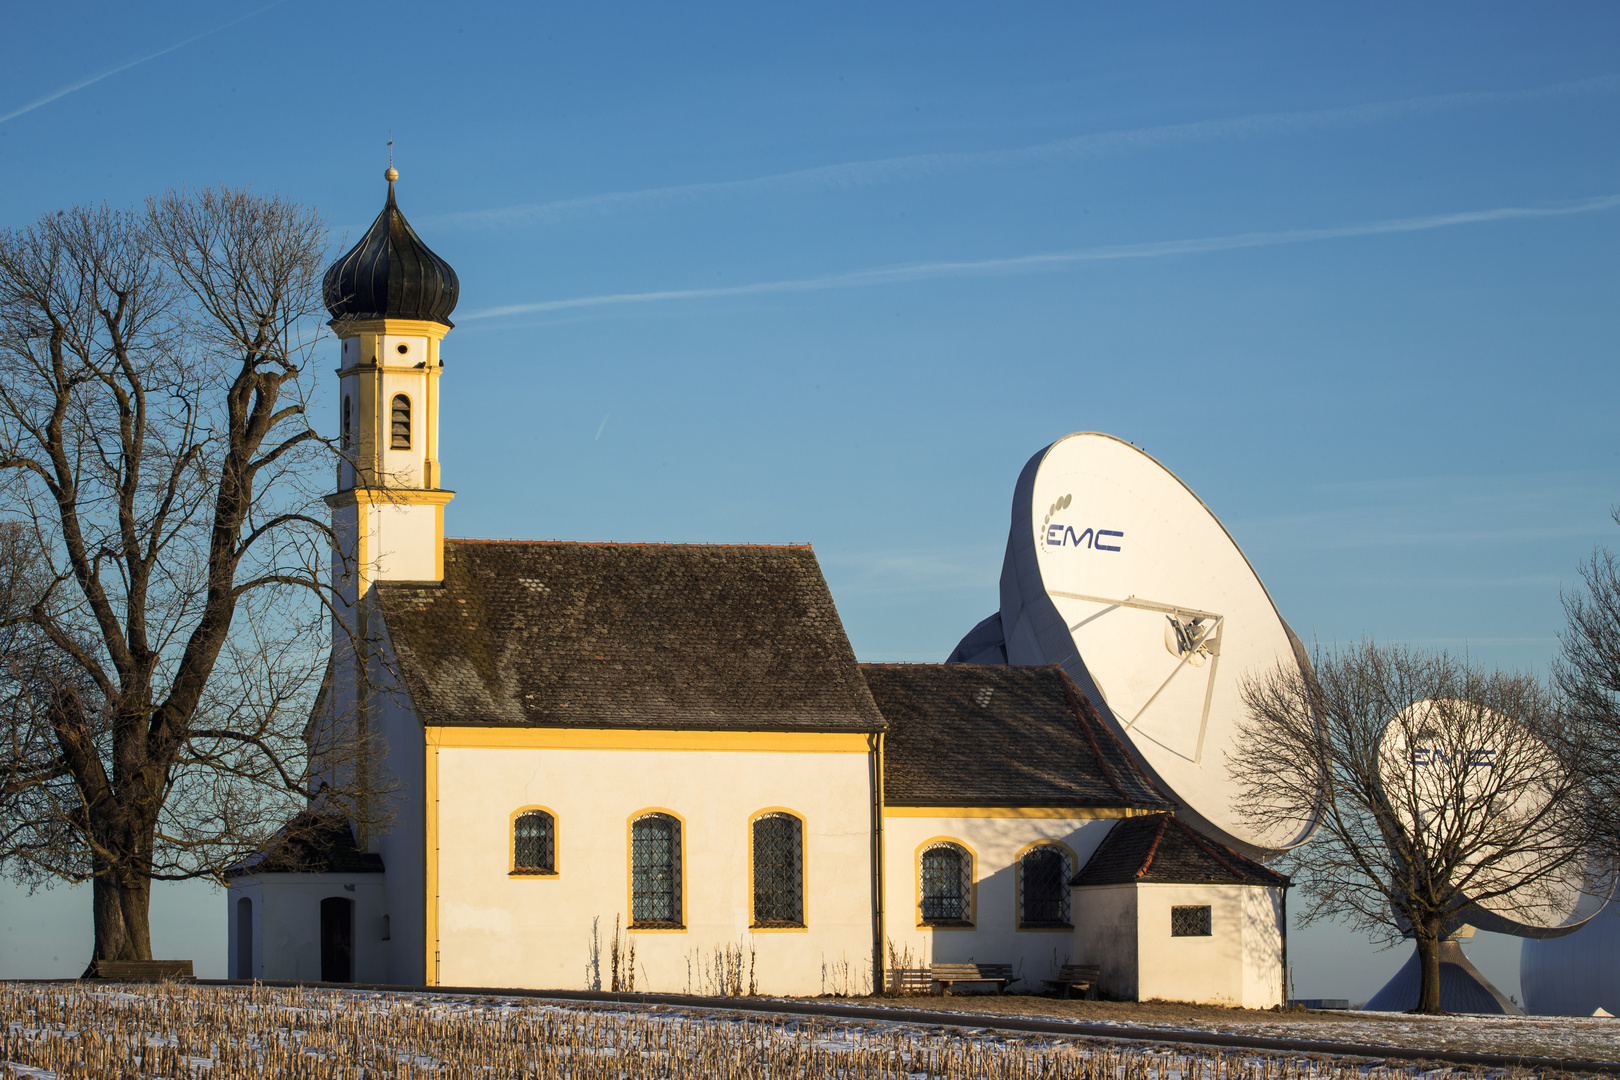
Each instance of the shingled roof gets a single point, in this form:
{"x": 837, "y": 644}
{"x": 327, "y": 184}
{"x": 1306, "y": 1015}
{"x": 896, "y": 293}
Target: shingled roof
{"x": 311, "y": 843}
{"x": 1160, "y": 850}
{"x": 687, "y": 636}
{"x": 963, "y": 735}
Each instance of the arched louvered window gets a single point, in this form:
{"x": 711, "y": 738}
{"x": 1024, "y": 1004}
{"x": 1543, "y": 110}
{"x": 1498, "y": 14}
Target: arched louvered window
{"x": 534, "y": 843}
{"x": 1043, "y": 887}
{"x": 401, "y": 419}
{"x": 778, "y": 848}
{"x": 348, "y": 423}
{"x": 655, "y": 871}
{"x": 946, "y": 874}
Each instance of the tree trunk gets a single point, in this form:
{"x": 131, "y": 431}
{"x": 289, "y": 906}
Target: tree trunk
{"x": 122, "y": 888}
{"x": 1428, "y": 950}
{"x": 122, "y": 918}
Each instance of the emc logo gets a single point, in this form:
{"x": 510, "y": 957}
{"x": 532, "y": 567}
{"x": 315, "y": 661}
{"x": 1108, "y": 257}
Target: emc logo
{"x": 1056, "y": 535}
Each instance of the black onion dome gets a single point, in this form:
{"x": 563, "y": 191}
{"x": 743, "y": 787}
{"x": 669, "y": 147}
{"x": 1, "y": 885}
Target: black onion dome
{"x": 391, "y": 274}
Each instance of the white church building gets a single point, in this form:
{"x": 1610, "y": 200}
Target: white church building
{"x": 660, "y": 766}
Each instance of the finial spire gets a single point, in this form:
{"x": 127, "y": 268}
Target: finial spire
{"x": 392, "y": 173}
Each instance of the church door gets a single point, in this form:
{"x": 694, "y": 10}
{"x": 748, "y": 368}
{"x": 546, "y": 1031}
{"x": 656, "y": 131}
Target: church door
{"x": 337, "y": 940}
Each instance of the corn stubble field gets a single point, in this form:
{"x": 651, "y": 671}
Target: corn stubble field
{"x": 226, "y": 1033}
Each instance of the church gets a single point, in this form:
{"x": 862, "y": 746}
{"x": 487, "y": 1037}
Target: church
{"x": 660, "y": 767}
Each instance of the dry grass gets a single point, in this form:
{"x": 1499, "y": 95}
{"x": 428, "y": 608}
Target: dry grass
{"x": 232, "y": 1033}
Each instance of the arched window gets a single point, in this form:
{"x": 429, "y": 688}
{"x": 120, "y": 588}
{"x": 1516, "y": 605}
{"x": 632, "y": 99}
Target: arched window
{"x": 1043, "y": 887}
{"x": 534, "y": 843}
{"x": 348, "y": 423}
{"x": 401, "y": 423}
{"x": 655, "y": 871}
{"x": 947, "y": 885}
{"x": 244, "y": 938}
{"x": 778, "y": 870}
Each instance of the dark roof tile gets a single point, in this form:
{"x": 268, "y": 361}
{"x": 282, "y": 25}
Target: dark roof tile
{"x": 963, "y": 735}
{"x": 1158, "y": 849}
{"x": 690, "y": 636}
{"x": 311, "y": 843}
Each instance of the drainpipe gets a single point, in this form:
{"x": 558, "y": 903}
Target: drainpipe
{"x": 875, "y": 742}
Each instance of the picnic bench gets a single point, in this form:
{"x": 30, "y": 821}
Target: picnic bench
{"x": 141, "y": 970}
{"x": 1084, "y": 976}
{"x": 947, "y": 975}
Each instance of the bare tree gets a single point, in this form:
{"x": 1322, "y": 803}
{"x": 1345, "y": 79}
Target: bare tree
{"x": 163, "y": 554}
{"x": 1446, "y": 794}
{"x": 1588, "y": 675}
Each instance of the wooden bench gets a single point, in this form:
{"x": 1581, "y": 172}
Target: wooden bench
{"x": 910, "y": 981}
{"x": 141, "y": 970}
{"x": 947, "y": 975}
{"x": 1084, "y": 976}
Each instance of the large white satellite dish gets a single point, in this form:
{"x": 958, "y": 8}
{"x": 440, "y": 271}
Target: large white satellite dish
{"x": 1443, "y": 759}
{"x": 1116, "y": 571}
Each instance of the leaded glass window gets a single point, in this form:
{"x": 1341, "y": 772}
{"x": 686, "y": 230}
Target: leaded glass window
{"x": 534, "y": 843}
{"x": 401, "y": 420}
{"x": 1043, "y": 887}
{"x": 1190, "y": 922}
{"x": 946, "y": 884}
{"x": 778, "y": 873}
{"x": 655, "y": 871}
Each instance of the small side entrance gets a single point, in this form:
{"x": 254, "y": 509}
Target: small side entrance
{"x": 337, "y": 940}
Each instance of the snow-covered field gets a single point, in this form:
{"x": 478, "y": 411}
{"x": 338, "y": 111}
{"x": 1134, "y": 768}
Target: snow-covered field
{"x": 226, "y": 1033}
{"x": 1586, "y": 1038}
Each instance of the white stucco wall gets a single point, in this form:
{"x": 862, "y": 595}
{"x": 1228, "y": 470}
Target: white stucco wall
{"x": 995, "y": 937}
{"x": 494, "y": 929}
{"x": 1105, "y": 934}
{"x": 401, "y": 844}
{"x": 287, "y": 923}
{"x": 1238, "y": 964}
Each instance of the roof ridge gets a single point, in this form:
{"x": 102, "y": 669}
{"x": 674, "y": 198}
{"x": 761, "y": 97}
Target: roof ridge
{"x": 1153, "y": 848}
{"x": 1210, "y": 847}
{"x": 615, "y": 543}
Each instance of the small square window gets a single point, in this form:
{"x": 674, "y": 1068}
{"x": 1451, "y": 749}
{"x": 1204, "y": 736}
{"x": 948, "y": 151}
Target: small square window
{"x": 1190, "y": 921}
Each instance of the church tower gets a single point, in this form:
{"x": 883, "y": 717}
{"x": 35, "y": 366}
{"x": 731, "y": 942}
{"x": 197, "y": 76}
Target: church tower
{"x": 390, "y": 298}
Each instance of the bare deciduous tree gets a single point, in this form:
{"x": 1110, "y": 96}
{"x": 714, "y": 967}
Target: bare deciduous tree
{"x": 163, "y": 553}
{"x": 1588, "y": 675}
{"x": 1446, "y": 794}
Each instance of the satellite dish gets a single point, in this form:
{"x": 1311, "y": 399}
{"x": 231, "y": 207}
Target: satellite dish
{"x": 1431, "y": 763}
{"x": 1116, "y": 571}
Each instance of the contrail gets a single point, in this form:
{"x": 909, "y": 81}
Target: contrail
{"x": 888, "y": 170}
{"x": 1056, "y": 260}
{"x": 82, "y": 83}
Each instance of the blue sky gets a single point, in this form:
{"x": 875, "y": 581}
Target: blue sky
{"x": 834, "y": 274}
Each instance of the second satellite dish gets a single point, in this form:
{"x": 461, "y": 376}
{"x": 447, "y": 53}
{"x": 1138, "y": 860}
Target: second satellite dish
{"x": 1116, "y": 571}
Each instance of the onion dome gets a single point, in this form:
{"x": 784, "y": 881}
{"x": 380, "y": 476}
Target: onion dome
{"x": 391, "y": 274}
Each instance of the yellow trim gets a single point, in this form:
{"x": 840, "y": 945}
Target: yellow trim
{"x": 1018, "y": 888}
{"x": 357, "y": 496}
{"x": 388, "y": 369}
{"x": 430, "y": 876}
{"x": 511, "y": 848}
{"x": 630, "y": 872}
{"x": 803, "y": 926}
{"x": 527, "y": 738}
{"x": 1078, "y": 813}
{"x": 433, "y": 331}
{"x": 972, "y": 922}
